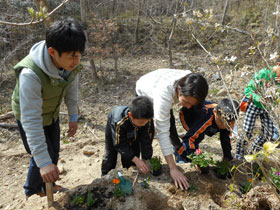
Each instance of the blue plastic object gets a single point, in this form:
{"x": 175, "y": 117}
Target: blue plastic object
{"x": 125, "y": 185}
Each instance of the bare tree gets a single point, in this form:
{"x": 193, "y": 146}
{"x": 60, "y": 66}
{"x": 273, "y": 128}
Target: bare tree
{"x": 84, "y": 21}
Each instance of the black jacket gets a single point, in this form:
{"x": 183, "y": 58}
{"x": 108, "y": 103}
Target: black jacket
{"x": 197, "y": 123}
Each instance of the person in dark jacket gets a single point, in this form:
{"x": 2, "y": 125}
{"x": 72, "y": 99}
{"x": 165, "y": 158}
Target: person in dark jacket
{"x": 213, "y": 118}
{"x": 129, "y": 131}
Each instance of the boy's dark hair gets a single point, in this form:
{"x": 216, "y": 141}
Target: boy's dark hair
{"x": 66, "y": 36}
{"x": 225, "y": 108}
{"x": 194, "y": 85}
{"x": 141, "y": 107}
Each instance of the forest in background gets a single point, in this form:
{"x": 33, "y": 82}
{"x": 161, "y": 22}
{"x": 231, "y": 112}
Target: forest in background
{"x": 116, "y": 28}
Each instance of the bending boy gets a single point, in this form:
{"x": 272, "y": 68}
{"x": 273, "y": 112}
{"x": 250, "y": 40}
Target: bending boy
{"x": 213, "y": 118}
{"x": 43, "y": 78}
{"x": 129, "y": 131}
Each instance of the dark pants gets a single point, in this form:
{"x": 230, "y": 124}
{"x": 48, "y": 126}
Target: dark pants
{"x": 175, "y": 140}
{"x": 34, "y": 182}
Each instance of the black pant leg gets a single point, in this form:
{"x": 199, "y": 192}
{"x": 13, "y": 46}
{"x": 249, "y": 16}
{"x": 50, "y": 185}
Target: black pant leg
{"x": 109, "y": 161}
{"x": 175, "y": 140}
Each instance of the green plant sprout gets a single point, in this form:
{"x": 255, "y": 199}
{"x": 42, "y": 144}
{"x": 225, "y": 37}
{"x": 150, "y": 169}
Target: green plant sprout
{"x": 90, "y": 199}
{"x": 145, "y": 183}
{"x": 275, "y": 177}
{"x": 118, "y": 192}
{"x": 78, "y": 200}
{"x": 245, "y": 186}
{"x": 223, "y": 167}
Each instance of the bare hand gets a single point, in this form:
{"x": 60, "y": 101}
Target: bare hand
{"x": 73, "y": 126}
{"x": 179, "y": 179}
{"x": 50, "y": 173}
{"x": 142, "y": 166}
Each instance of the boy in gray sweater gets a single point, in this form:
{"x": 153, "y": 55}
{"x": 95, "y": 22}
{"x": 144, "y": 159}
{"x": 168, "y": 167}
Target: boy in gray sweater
{"x": 44, "y": 78}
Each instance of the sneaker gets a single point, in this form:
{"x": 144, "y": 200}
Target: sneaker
{"x": 179, "y": 159}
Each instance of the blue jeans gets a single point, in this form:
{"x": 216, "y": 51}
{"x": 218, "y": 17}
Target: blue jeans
{"x": 34, "y": 182}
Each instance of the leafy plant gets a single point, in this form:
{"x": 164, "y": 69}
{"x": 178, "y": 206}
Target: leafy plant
{"x": 145, "y": 183}
{"x": 223, "y": 167}
{"x": 90, "y": 199}
{"x": 78, "y": 200}
{"x": 245, "y": 186}
{"x": 275, "y": 177}
{"x": 155, "y": 163}
{"x": 202, "y": 159}
{"x": 192, "y": 188}
{"x": 257, "y": 170}
{"x": 118, "y": 192}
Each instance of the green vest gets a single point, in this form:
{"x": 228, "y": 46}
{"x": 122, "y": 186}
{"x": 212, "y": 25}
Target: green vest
{"x": 53, "y": 90}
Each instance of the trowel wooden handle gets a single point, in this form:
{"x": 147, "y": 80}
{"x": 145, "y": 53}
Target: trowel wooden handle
{"x": 49, "y": 191}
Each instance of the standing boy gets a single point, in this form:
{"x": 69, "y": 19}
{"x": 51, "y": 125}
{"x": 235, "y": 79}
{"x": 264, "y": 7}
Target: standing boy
{"x": 265, "y": 79}
{"x": 213, "y": 118}
{"x": 129, "y": 131}
{"x": 43, "y": 78}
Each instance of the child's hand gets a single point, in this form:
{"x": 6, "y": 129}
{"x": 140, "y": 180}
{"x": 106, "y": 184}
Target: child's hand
{"x": 141, "y": 165}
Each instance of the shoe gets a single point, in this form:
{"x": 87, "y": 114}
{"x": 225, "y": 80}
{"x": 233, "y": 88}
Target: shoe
{"x": 179, "y": 159}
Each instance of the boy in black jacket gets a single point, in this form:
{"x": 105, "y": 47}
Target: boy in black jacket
{"x": 211, "y": 119}
{"x": 129, "y": 131}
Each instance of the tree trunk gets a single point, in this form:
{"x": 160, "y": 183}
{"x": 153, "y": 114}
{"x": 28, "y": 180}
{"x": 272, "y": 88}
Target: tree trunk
{"x": 169, "y": 41}
{"x": 113, "y": 7}
{"x": 84, "y": 21}
{"x": 225, "y": 12}
{"x": 138, "y": 20}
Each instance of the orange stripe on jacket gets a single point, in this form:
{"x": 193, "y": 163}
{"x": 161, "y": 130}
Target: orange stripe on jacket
{"x": 183, "y": 120}
{"x": 201, "y": 130}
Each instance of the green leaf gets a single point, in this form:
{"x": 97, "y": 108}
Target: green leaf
{"x": 250, "y": 158}
{"x": 31, "y": 11}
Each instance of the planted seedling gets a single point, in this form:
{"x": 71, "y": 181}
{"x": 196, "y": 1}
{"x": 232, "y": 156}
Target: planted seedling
{"x": 155, "y": 164}
{"x": 222, "y": 170}
{"x": 145, "y": 183}
{"x": 192, "y": 188}
{"x": 78, "y": 200}
{"x": 257, "y": 170}
{"x": 245, "y": 186}
{"x": 118, "y": 192}
{"x": 90, "y": 199}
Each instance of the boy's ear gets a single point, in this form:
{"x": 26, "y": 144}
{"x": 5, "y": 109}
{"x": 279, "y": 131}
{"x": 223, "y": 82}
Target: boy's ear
{"x": 51, "y": 51}
{"x": 130, "y": 115}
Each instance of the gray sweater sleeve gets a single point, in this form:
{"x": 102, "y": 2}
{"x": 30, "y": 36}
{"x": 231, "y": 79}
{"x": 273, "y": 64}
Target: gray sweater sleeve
{"x": 31, "y": 116}
{"x": 71, "y": 97}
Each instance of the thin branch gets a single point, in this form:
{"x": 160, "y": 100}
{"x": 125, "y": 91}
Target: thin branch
{"x": 35, "y": 22}
{"x": 238, "y": 30}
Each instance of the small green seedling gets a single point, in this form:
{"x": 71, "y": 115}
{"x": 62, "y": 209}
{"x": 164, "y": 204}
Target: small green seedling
{"x": 118, "y": 192}
{"x": 192, "y": 188}
{"x": 245, "y": 187}
{"x": 145, "y": 183}
{"x": 78, "y": 200}
{"x": 90, "y": 199}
